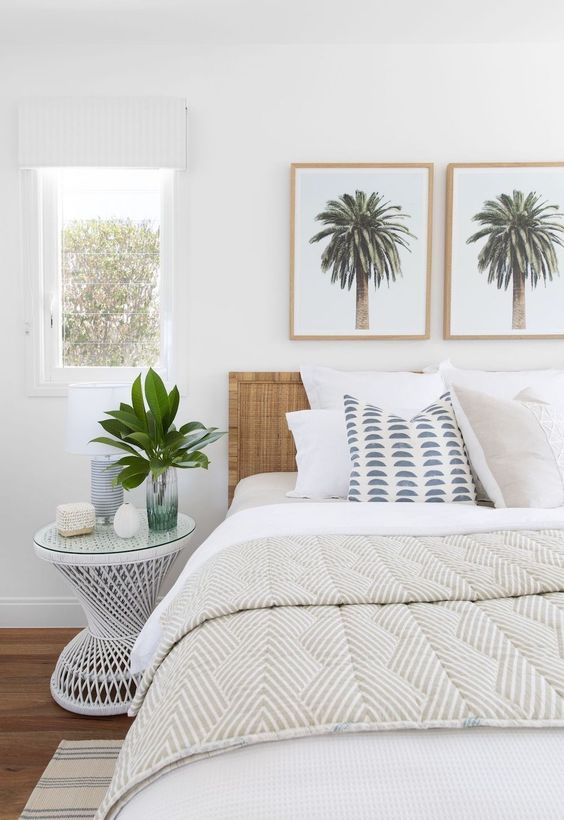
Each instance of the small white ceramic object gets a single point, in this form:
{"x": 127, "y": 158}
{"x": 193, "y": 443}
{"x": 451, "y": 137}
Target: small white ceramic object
{"x": 126, "y": 521}
{"x": 75, "y": 519}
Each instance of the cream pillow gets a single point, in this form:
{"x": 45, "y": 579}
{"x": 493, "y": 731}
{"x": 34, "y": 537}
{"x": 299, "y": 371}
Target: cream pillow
{"x": 516, "y": 446}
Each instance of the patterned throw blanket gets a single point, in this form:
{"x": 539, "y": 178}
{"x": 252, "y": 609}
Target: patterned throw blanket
{"x": 285, "y": 637}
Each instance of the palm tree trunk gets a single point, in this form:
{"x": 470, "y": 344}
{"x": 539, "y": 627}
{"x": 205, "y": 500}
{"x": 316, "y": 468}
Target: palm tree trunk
{"x": 361, "y": 300}
{"x": 519, "y": 317}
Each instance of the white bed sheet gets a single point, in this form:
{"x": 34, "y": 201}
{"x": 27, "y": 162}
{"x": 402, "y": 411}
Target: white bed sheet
{"x": 405, "y": 775}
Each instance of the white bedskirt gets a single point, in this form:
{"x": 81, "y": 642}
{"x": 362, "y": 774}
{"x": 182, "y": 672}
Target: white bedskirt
{"x": 474, "y": 774}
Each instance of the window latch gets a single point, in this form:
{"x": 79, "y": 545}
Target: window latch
{"x": 51, "y": 302}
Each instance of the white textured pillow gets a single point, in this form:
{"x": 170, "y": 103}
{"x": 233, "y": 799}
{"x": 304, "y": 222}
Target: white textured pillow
{"x": 395, "y": 459}
{"x": 516, "y": 447}
{"x": 504, "y": 384}
{"x": 322, "y": 455}
{"x": 400, "y": 392}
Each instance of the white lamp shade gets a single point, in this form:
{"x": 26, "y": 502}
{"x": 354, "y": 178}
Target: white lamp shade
{"x": 86, "y": 406}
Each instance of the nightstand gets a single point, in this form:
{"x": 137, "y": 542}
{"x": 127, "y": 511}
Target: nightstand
{"x": 117, "y": 582}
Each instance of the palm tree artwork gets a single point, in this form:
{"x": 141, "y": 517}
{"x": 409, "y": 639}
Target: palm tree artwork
{"x": 366, "y": 234}
{"x": 522, "y": 233}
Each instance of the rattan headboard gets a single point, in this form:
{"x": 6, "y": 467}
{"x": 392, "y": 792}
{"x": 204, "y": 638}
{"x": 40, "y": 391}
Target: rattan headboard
{"x": 259, "y": 439}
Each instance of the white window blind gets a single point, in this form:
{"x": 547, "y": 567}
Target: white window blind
{"x": 111, "y": 132}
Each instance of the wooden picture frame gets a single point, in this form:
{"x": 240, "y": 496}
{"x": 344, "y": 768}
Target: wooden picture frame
{"x": 516, "y": 175}
{"x": 420, "y": 297}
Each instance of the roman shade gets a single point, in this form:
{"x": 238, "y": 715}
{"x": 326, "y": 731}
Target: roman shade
{"x": 110, "y": 132}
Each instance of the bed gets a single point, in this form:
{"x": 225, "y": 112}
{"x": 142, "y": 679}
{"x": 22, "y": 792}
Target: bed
{"x": 421, "y": 749}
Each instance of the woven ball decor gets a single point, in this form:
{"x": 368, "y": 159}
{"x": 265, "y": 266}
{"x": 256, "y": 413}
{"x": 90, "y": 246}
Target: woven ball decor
{"x": 75, "y": 519}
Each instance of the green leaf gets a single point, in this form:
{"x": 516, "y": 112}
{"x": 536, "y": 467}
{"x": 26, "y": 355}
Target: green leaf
{"x": 211, "y": 436}
{"x": 158, "y": 468}
{"x": 127, "y": 461}
{"x": 119, "y": 445}
{"x": 151, "y": 426}
{"x": 157, "y": 399}
{"x": 128, "y": 419}
{"x": 134, "y": 481}
{"x": 190, "y": 427}
{"x": 138, "y": 401}
{"x": 135, "y": 469}
{"x": 191, "y": 461}
{"x": 114, "y": 427}
{"x": 173, "y": 401}
{"x": 142, "y": 440}
{"x": 140, "y": 471}
{"x": 174, "y": 438}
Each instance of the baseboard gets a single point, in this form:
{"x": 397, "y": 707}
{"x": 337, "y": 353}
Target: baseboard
{"x": 38, "y": 612}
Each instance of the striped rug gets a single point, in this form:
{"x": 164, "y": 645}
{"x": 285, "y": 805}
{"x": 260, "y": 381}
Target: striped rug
{"x": 74, "y": 782}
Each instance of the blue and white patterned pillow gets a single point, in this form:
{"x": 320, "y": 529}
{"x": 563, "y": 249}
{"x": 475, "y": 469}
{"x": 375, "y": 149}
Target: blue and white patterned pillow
{"x": 395, "y": 459}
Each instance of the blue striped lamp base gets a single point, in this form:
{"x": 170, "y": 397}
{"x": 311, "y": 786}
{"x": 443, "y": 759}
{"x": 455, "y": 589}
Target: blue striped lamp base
{"x": 104, "y": 496}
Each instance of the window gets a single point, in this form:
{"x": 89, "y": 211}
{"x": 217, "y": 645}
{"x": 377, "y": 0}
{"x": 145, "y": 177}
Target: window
{"x": 104, "y": 280}
{"x": 101, "y": 237}
{"x": 108, "y": 277}
{"x": 106, "y": 284}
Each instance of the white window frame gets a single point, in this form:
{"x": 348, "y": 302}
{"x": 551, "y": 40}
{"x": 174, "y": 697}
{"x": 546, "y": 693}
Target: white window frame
{"x": 40, "y": 238}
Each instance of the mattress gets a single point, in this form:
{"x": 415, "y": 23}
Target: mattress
{"x": 263, "y": 489}
{"x": 440, "y": 774}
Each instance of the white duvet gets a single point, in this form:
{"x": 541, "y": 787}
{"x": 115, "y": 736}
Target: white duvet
{"x": 408, "y": 775}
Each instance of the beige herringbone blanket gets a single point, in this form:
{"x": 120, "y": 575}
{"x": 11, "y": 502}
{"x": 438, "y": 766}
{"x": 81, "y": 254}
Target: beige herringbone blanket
{"x": 285, "y": 637}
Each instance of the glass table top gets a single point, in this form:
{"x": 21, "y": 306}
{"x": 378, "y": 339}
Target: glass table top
{"x": 104, "y": 539}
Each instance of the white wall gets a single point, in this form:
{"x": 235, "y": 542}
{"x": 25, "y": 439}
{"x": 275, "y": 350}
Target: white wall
{"x": 253, "y": 110}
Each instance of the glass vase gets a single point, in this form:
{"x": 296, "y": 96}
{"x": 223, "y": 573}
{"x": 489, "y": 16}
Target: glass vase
{"x": 162, "y": 501}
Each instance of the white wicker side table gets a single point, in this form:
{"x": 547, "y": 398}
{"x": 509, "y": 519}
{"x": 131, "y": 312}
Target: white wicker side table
{"x": 117, "y": 582}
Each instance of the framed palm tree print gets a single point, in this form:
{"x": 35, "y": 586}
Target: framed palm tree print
{"x": 360, "y": 250}
{"x": 505, "y": 251}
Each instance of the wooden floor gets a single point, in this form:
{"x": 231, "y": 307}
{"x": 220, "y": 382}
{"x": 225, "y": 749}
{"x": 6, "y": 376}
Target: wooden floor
{"x": 31, "y": 724}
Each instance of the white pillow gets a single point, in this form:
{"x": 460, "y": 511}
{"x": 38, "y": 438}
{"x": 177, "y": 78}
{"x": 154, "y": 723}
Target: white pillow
{"x": 516, "y": 447}
{"x": 505, "y": 384}
{"x": 322, "y": 457}
{"x": 399, "y": 392}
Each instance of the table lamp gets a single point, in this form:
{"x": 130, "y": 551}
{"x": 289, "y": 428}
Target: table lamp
{"x": 86, "y": 405}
